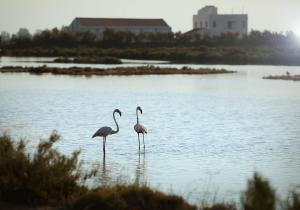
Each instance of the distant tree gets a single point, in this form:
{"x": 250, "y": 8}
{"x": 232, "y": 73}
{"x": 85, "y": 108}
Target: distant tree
{"x": 292, "y": 37}
{"x": 228, "y": 38}
{"x": 182, "y": 39}
{"x": 113, "y": 38}
{"x": 85, "y": 38}
{"x": 5, "y": 37}
{"x": 141, "y": 38}
{"x": 63, "y": 37}
{"x": 23, "y": 33}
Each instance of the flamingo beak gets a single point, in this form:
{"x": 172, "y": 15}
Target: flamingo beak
{"x": 140, "y": 109}
{"x": 120, "y": 113}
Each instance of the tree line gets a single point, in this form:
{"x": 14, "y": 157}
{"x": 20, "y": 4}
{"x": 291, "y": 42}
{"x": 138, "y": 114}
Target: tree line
{"x": 122, "y": 39}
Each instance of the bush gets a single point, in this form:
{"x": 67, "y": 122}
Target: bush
{"x": 46, "y": 177}
{"x": 130, "y": 197}
{"x": 220, "y": 206}
{"x": 259, "y": 195}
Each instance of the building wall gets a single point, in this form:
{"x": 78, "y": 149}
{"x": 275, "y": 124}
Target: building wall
{"x": 98, "y": 30}
{"x": 213, "y": 24}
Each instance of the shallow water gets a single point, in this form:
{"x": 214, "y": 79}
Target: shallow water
{"x": 207, "y": 133}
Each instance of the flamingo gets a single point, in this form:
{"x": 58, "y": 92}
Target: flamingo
{"x": 139, "y": 128}
{"x": 105, "y": 131}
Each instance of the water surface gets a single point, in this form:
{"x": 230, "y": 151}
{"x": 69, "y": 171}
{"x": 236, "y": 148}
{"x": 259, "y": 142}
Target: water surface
{"x": 207, "y": 133}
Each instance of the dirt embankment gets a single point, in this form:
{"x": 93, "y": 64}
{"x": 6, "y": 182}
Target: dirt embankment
{"x": 119, "y": 71}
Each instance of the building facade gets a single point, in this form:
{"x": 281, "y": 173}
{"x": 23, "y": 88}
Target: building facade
{"x": 98, "y": 25}
{"x": 209, "y": 22}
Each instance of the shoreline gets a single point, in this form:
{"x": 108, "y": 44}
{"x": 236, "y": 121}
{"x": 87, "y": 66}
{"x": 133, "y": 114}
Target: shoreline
{"x": 283, "y": 77}
{"x": 221, "y": 55}
{"x": 118, "y": 71}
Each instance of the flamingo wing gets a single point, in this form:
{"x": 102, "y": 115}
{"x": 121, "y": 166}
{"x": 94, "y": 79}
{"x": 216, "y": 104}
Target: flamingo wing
{"x": 139, "y": 128}
{"x": 143, "y": 129}
{"x": 104, "y": 131}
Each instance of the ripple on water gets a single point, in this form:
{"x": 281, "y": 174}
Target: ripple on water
{"x": 205, "y": 133}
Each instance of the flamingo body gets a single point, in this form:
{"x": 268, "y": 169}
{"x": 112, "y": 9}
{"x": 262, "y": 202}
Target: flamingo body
{"x": 105, "y": 131}
{"x": 139, "y": 128}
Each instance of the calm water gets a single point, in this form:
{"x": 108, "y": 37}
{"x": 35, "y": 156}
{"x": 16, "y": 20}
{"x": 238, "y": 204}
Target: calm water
{"x": 208, "y": 134}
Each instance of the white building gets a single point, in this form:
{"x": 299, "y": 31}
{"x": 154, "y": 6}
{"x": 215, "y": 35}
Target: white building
{"x": 209, "y": 22}
{"x": 99, "y": 25}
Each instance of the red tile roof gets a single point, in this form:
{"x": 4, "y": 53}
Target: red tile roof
{"x": 108, "y": 22}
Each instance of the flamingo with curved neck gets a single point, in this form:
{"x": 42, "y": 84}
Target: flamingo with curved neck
{"x": 105, "y": 131}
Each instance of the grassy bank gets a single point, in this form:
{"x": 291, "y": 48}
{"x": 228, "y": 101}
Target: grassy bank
{"x": 47, "y": 179}
{"x": 120, "y": 71}
{"x": 283, "y": 77}
{"x": 202, "y": 54}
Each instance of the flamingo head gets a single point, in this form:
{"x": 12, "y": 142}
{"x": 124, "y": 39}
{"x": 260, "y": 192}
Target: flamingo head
{"x": 140, "y": 109}
{"x": 118, "y": 111}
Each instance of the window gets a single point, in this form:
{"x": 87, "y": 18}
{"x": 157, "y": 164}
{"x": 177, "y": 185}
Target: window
{"x": 201, "y": 24}
{"x": 214, "y": 24}
{"x": 206, "y": 24}
{"x": 244, "y": 24}
{"x": 230, "y": 25}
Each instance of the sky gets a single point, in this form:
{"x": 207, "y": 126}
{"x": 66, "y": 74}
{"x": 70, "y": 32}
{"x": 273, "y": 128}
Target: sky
{"x": 273, "y": 15}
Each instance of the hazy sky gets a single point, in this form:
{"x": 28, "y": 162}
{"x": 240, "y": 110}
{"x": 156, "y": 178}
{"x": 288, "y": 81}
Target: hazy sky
{"x": 274, "y": 15}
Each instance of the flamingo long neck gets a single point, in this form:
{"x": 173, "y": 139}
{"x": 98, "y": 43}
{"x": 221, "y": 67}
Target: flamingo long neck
{"x": 113, "y": 132}
{"x": 137, "y": 116}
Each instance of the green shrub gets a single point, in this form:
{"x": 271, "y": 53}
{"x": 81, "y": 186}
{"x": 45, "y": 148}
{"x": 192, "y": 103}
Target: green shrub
{"x": 130, "y": 197}
{"x": 46, "y": 177}
{"x": 259, "y": 195}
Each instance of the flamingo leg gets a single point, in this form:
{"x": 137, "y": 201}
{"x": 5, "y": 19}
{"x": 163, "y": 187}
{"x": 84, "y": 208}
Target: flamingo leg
{"x": 143, "y": 141}
{"x": 139, "y": 141}
{"x": 104, "y": 140}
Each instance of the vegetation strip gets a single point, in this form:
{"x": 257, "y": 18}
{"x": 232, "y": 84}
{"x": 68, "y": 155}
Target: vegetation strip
{"x": 258, "y": 47}
{"x": 122, "y": 71}
{"x": 47, "y": 179}
{"x": 283, "y": 77}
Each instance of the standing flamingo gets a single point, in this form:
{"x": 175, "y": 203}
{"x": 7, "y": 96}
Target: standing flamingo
{"x": 105, "y": 131}
{"x": 139, "y": 128}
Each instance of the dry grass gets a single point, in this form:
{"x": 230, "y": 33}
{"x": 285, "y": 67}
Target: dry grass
{"x": 48, "y": 180}
{"x": 45, "y": 177}
{"x": 283, "y": 77}
{"x": 130, "y": 197}
{"x": 125, "y": 71}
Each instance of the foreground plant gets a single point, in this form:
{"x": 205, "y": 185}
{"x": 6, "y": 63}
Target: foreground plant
{"x": 293, "y": 201}
{"x": 259, "y": 195}
{"x": 46, "y": 177}
{"x": 123, "y": 197}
